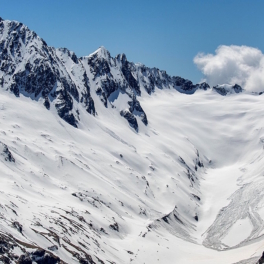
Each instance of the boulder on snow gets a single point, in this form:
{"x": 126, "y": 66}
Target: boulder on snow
{"x": 130, "y": 118}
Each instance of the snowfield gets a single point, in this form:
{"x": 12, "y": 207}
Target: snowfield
{"x": 104, "y": 189}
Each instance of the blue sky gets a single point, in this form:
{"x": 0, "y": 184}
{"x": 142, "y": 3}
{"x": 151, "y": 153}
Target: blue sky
{"x": 164, "y": 34}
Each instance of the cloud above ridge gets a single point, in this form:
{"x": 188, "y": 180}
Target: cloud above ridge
{"x": 233, "y": 64}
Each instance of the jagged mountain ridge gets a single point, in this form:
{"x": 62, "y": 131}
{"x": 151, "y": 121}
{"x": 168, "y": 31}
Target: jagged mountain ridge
{"x": 56, "y": 76}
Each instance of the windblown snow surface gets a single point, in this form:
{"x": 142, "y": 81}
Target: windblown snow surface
{"x": 128, "y": 197}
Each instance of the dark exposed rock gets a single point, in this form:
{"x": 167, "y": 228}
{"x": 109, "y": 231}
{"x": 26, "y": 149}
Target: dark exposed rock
{"x": 47, "y": 103}
{"x": 86, "y": 96}
{"x": 204, "y": 86}
{"x": 37, "y": 78}
{"x": 103, "y": 230}
{"x": 2, "y": 249}
{"x": 74, "y": 58}
{"x": 39, "y": 252}
{"x": 83, "y": 261}
{"x": 42, "y": 257}
{"x": 108, "y": 86}
{"x": 220, "y": 90}
{"x": 261, "y": 260}
{"x": 223, "y": 90}
{"x": 115, "y": 227}
{"x": 185, "y": 85}
{"x": 23, "y": 259}
{"x": 6, "y": 153}
{"x": 165, "y": 219}
{"x": 136, "y": 108}
{"x": 169, "y": 219}
{"x": 48, "y": 259}
{"x": 126, "y": 70}
{"x": 87, "y": 260}
{"x": 154, "y": 78}
{"x": 196, "y": 197}
{"x": 53, "y": 248}
{"x": 4, "y": 260}
{"x": 99, "y": 65}
{"x": 200, "y": 164}
{"x": 237, "y": 88}
{"x": 18, "y": 226}
{"x": 64, "y": 106}
{"x": 99, "y": 260}
{"x": 8, "y": 243}
{"x": 130, "y": 118}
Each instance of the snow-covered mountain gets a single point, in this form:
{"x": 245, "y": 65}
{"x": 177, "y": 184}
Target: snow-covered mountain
{"x": 107, "y": 161}
{"x": 63, "y": 81}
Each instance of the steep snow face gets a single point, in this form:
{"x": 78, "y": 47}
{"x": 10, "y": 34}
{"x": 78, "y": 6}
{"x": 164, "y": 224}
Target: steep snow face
{"x": 151, "y": 175}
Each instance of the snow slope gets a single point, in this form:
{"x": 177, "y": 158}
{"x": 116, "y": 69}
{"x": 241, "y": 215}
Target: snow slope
{"x": 183, "y": 186}
{"x": 75, "y": 184}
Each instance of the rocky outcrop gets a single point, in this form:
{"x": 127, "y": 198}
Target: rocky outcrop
{"x": 225, "y": 89}
{"x": 261, "y": 260}
{"x": 130, "y": 119}
{"x": 6, "y": 153}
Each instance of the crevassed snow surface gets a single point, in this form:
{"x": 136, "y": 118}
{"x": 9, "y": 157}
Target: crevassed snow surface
{"x": 127, "y": 197}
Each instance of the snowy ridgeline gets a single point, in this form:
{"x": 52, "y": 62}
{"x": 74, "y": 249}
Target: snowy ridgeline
{"x": 62, "y": 81}
{"x": 183, "y": 183}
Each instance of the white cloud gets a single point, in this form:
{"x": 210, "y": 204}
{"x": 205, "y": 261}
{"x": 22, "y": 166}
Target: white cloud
{"x": 233, "y": 64}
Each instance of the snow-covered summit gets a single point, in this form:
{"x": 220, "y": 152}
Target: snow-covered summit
{"x": 101, "y": 52}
